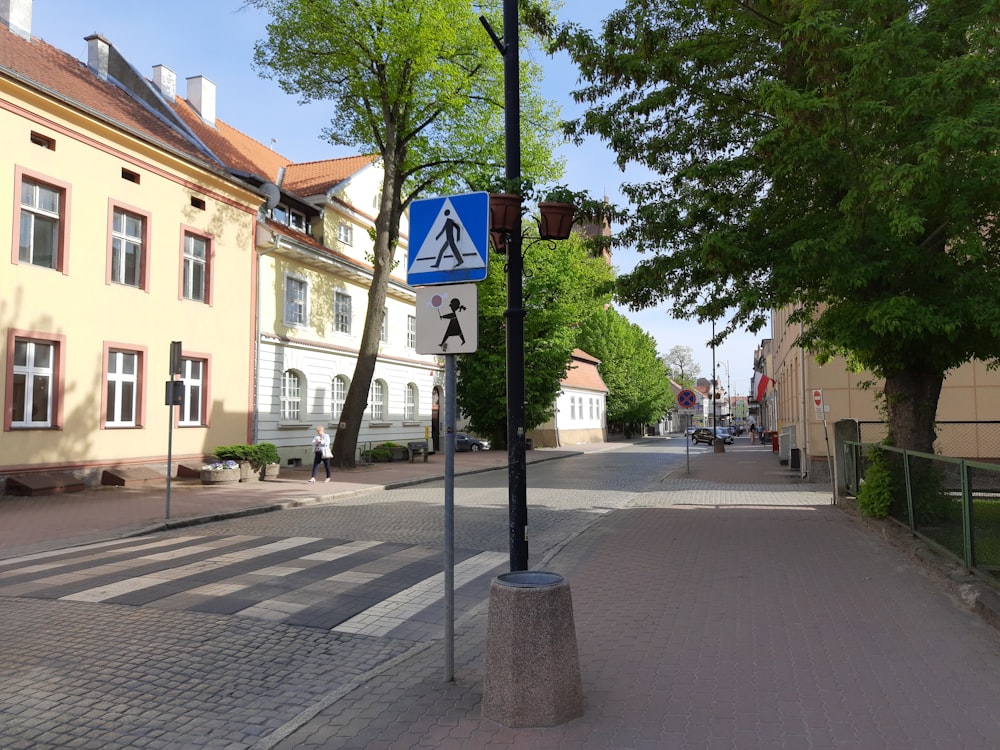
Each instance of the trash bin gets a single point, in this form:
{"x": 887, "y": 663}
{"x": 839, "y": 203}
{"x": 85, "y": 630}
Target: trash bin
{"x": 529, "y": 444}
{"x": 774, "y": 442}
{"x": 532, "y": 676}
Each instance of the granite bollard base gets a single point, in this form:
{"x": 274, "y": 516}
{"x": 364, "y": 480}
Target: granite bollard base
{"x": 532, "y": 674}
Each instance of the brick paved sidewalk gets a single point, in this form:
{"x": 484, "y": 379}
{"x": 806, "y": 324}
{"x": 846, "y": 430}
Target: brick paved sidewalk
{"x": 736, "y": 626}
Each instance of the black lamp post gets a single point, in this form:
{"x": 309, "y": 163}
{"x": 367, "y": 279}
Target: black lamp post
{"x": 517, "y": 486}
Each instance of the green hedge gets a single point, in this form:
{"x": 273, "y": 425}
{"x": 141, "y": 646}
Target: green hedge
{"x": 258, "y": 455}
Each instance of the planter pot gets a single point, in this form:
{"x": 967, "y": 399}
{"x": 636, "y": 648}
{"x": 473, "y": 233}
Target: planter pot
{"x": 220, "y": 476}
{"x": 399, "y": 453}
{"x": 247, "y": 473}
{"x": 556, "y": 220}
{"x": 505, "y": 212}
{"x": 270, "y": 471}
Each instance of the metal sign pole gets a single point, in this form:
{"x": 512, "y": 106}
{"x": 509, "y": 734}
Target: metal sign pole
{"x": 449, "y": 518}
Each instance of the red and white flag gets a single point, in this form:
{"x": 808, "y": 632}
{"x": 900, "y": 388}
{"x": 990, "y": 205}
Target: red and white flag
{"x": 760, "y": 384}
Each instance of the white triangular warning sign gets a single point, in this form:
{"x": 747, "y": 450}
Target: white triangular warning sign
{"x": 447, "y": 245}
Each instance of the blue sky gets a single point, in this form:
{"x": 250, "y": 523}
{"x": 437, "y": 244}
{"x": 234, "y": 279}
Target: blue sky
{"x": 215, "y": 38}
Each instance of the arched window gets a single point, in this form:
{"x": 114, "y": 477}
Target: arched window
{"x": 411, "y": 410}
{"x": 291, "y": 396}
{"x": 376, "y": 401}
{"x": 339, "y": 391}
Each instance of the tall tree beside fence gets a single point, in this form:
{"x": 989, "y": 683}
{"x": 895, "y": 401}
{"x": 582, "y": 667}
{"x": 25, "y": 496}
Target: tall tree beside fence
{"x": 839, "y": 159}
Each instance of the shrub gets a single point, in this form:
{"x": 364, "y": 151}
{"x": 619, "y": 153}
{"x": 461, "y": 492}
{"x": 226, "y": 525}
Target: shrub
{"x": 876, "y": 492}
{"x": 258, "y": 455}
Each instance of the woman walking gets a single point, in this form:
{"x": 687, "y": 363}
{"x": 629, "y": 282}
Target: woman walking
{"x": 321, "y": 453}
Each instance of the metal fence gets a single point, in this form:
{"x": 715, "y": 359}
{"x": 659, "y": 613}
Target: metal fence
{"x": 953, "y": 503}
{"x": 977, "y": 440}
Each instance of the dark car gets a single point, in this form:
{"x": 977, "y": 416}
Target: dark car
{"x": 725, "y": 435}
{"x": 702, "y": 435}
{"x": 708, "y": 436}
{"x": 465, "y": 442}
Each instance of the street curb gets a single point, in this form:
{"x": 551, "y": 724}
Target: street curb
{"x": 307, "y": 502}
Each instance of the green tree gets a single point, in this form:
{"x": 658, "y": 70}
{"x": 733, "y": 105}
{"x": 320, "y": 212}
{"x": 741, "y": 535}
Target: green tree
{"x": 836, "y": 158}
{"x": 420, "y": 84}
{"x": 563, "y": 286}
{"x": 638, "y": 386}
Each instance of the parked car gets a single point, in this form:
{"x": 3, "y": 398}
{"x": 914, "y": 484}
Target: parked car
{"x": 725, "y": 435}
{"x": 708, "y": 436}
{"x": 465, "y": 442}
{"x": 702, "y": 435}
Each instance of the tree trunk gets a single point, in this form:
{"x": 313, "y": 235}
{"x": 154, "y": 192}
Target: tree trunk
{"x": 911, "y": 398}
{"x": 356, "y": 401}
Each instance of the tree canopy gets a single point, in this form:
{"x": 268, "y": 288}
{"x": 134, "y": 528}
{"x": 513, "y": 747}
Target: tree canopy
{"x": 836, "y": 158}
{"x": 638, "y": 382}
{"x": 420, "y": 84}
{"x": 563, "y": 286}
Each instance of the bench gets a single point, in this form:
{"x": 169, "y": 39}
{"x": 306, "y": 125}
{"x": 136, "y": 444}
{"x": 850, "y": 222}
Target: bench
{"x": 417, "y": 446}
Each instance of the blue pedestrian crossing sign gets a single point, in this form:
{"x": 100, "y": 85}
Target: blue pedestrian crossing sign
{"x": 449, "y": 239}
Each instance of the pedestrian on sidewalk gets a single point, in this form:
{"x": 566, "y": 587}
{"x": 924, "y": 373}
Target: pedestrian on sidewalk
{"x": 753, "y": 432}
{"x": 321, "y": 453}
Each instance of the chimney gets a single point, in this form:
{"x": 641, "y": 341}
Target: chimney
{"x": 201, "y": 96}
{"x": 16, "y": 16}
{"x": 98, "y": 52}
{"x": 165, "y": 81}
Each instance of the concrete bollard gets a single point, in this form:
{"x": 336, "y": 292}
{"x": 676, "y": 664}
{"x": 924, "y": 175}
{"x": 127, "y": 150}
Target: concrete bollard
{"x": 532, "y": 664}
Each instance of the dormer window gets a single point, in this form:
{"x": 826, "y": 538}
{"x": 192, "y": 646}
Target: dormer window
{"x": 290, "y": 217}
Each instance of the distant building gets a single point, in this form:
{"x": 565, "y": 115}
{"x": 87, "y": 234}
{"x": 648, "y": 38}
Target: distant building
{"x": 580, "y": 410}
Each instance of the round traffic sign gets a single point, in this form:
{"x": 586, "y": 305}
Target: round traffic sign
{"x": 686, "y": 399}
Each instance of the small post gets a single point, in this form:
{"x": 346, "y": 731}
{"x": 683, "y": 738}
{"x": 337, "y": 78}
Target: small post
{"x": 450, "y": 379}
{"x": 174, "y": 396}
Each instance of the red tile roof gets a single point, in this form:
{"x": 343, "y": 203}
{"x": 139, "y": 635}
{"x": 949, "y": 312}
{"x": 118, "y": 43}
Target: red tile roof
{"x": 40, "y": 65}
{"x": 237, "y": 150}
{"x": 316, "y": 177}
{"x": 583, "y": 373}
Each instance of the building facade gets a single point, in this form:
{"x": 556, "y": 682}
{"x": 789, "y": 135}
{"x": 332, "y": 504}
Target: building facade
{"x": 139, "y": 218}
{"x": 125, "y": 236}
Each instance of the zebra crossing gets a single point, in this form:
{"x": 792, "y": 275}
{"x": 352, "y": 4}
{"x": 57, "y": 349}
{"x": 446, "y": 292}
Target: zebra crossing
{"x": 372, "y": 588}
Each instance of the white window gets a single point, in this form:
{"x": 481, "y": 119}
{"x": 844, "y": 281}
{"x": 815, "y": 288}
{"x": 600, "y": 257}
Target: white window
{"x": 122, "y": 389}
{"x": 196, "y": 267}
{"x": 40, "y": 216}
{"x": 411, "y": 332}
{"x": 126, "y": 248}
{"x": 33, "y": 374}
{"x": 296, "y": 296}
{"x": 410, "y": 408}
{"x": 376, "y": 401}
{"x": 193, "y": 409}
{"x": 572, "y": 407}
{"x": 339, "y": 391}
{"x": 383, "y": 334}
{"x": 341, "y": 312}
{"x": 591, "y": 408}
{"x": 345, "y": 233}
{"x": 291, "y": 396}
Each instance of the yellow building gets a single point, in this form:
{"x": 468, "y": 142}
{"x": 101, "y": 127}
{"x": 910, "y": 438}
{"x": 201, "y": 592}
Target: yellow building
{"x": 805, "y": 392}
{"x": 126, "y": 235}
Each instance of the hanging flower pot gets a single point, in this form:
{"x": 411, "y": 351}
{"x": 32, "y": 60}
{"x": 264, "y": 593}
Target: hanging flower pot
{"x": 556, "y": 220}
{"x": 505, "y": 212}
